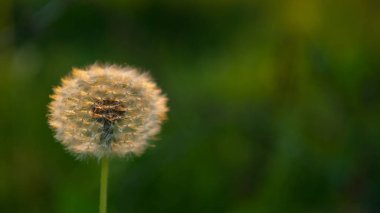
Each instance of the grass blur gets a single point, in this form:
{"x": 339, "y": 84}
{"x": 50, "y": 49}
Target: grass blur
{"x": 275, "y": 105}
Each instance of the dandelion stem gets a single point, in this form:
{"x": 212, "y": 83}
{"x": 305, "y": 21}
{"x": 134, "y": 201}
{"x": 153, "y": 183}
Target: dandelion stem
{"x": 103, "y": 185}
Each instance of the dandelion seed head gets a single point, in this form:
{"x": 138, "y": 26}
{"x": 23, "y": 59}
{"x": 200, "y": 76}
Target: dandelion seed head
{"x": 106, "y": 111}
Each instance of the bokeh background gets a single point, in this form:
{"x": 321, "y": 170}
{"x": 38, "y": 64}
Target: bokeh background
{"x": 275, "y": 105}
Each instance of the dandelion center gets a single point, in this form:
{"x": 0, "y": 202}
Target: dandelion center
{"x": 107, "y": 112}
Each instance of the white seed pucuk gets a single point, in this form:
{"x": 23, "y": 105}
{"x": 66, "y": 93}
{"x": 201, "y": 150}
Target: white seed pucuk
{"x": 106, "y": 110}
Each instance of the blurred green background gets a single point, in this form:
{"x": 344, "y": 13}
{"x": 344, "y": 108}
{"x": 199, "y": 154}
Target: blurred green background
{"x": 275, "y": 105}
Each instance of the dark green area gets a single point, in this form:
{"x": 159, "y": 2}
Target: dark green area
{"x": 275, "y": 105}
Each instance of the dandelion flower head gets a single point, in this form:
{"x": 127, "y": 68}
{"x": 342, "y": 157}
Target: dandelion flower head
{"x": 106, "y": 111}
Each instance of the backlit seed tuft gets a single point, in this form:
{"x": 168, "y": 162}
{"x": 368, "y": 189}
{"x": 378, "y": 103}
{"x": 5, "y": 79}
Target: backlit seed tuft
{"x": 106, "y": 110}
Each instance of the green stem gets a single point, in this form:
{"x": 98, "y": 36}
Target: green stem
{"x": 103, "y": 185}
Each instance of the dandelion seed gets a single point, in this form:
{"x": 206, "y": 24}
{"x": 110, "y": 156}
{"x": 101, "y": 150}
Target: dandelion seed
{"x": 106, "y": 111}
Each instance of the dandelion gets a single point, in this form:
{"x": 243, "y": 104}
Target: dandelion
{"x": 105, "y": 111}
